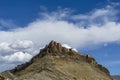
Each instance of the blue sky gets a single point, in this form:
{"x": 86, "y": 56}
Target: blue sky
{"x": 92, "y": 27}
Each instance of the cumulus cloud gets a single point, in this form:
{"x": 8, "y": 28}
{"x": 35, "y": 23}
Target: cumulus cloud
{"x": 20, "y": 44}
{"x": 24, "y": 44}
{"x": 4, "y": 48}
{"x": 14, "y": 53}
{"x": 17, "y": 57}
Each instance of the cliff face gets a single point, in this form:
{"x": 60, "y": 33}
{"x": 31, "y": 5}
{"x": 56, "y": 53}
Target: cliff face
{"x": 55, "y": 62}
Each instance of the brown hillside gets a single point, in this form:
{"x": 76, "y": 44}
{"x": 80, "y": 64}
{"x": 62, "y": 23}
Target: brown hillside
{"x": 55, "y": 62}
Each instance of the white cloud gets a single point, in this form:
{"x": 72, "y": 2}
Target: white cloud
{"x": 17, "y": 57}
{"x": 19, "y": 45}
{"x": 41, "y": 32}
{"x": 97, "y": 16}
{"x": 24, "y": 44}
{"x": 4, "y": 48}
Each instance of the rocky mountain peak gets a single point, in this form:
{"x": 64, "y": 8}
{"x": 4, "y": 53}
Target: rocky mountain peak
{"x": 55, "y": 62}
{"x": 55, "y": 48}
{"x": 54, "y": 43}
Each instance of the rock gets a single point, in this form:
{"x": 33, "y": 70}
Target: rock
{"x": 4, "y": 78}
{"x": 90, "y": 59}
{"x": 20, "y": 67}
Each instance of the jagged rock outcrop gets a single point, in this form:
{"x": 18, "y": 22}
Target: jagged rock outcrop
{"x": 55, "y": 47}
{"x": 55, "y": 62}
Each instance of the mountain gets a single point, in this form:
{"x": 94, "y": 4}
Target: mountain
{"x": 116, "y": 77}
{"x": 55, "y": 62}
